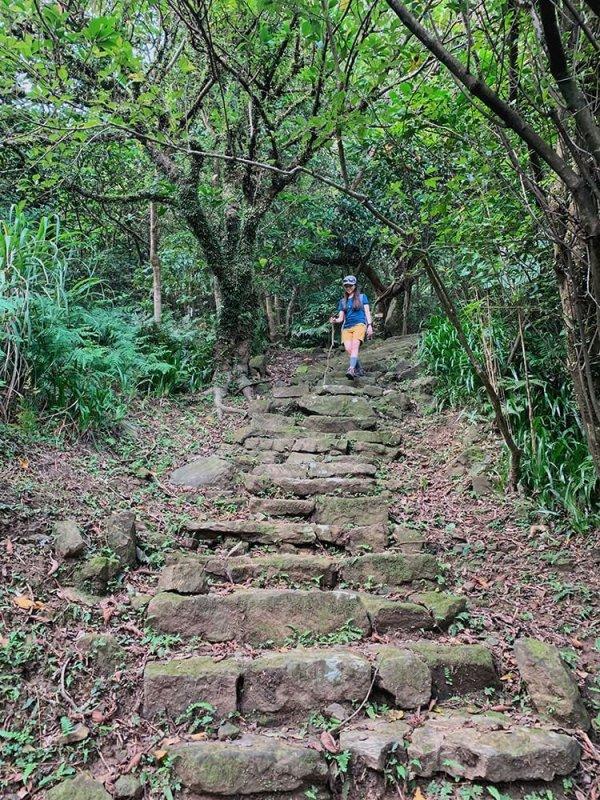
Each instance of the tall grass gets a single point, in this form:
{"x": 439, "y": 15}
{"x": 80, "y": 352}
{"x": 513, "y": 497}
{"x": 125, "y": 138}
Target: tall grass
{"x": 557, "y": 467}
{"x": 65, "y": 351}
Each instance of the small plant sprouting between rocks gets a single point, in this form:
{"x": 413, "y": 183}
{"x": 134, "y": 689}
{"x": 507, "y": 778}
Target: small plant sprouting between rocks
{"x": 397, "y": 772}
{"x": 345, "y": 635}
{"x": 199, "y": 717}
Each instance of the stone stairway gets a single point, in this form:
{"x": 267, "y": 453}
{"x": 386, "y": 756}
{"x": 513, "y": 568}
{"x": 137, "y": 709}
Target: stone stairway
{"x": 330, "y": 612}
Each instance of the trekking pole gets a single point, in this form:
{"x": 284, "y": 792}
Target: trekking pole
{"x": 331, "y": 346}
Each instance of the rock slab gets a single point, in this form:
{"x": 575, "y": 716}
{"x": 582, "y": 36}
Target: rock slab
{"x": 209, "y": 471}
{"x": 251, "y": 765}
{"x": 488, "y": 748}
{"x": 551, "y": 686}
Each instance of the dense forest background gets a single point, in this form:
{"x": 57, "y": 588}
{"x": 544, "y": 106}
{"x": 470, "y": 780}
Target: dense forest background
{"x": 183, "y": 184}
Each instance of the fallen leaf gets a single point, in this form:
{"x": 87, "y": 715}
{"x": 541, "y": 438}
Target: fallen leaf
{"x": 159, "y": 755}
{"x": 53, "y": 566}
{"x": 98, "y": 717}
{"x": 198, "y": 737}
{"x": 329, "y": 742}
{"x": 418, "y": 795}
{"x": 9, "y": 547}
{"x": 27, "y": 604}
{"x": 24, "y": 463}
{"x": 508, "y": 677}
{"x": 395, "y": 714}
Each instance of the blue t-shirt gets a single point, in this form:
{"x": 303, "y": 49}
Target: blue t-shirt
{"x": 353, "y": 317}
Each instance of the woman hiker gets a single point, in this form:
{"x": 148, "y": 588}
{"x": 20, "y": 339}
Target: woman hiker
{"x": 355, "y": 314}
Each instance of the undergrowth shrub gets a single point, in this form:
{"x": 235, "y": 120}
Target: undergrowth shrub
{"x": 65, "y": 352}
{"x": 556, "y": 465}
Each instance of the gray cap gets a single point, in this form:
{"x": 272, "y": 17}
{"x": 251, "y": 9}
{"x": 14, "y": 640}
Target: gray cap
{"x": 351, "y": 279}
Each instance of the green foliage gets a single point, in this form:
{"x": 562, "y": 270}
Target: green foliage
{"x": 556, "y": 464}
{"x": 66, "y": 352}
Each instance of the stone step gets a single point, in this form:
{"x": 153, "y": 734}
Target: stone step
{"x": 291, "y": 685}
{"x": 258, "y": 616}
{"x": 378, "y": 444}
{"x": 184, "y": 572}
{"x": 295, "y": 479}
{"x": 479, "y": 747}
{"x": 252, "y": 766}
{"x": 472, "y": 746}
{"x": 281, "y": 507}
{"x": 327, "y": 405}
{"x": 348, "y": 536}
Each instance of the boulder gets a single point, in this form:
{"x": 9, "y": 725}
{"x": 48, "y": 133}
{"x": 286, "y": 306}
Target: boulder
{"x": 304, "y": 681}
{"x": 95, "y": 573}
{"x": 389, "y": 569}
{"x": 184, "y": 575}
{"x": 171, "y": 686}
{"x": 119, "y": 530}
{"x": 488, "y": 747}
{"x": 372, "y": 743}
{"x": 128, "y": 787}
{"x": 208, "y": 471}
{"x": 358, "y": 511}
{"x": 551, "y": 686}
{"x": 442, "y": 606}
{"x": 251, "y": 765}
{"x": 391, "y": 616}
{"x": 102, "y": 650}
{"x": 256, "y": 615}
{"x": 68, "y": 541}
{"x": 281, "y": 507}
{"x": 82, "y": 787}
{"x": 457, "y": 668}
{"x": 404, "y": 675}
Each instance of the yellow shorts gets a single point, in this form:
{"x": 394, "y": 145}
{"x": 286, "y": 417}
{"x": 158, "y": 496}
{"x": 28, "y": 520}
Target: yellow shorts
{"x": 355, "y": 332}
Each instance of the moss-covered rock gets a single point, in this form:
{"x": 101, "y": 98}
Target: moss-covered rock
{"x": 457, "y": 668}
{"x": 301, "y": 681}
{"x": 389, "y": 569}
{"x": 68, "y": 541}
{"x": 103, "y": 651}
{"x": 256, "y": 615}
{"x": 390, "y": 616}
{"x": 95, "y": 574}
{"x": 489, "y": 748}
{"x": 172, "y": 686}
{"x": 119, "y": 530}
{"x": 357, "y": 511}
{"x": 551, "y": 686}
{"x": 404, "y": 675}
{"x": 82, "y": 787}
{"x": 442, "y": 605}
{"x": 251, "y": 765}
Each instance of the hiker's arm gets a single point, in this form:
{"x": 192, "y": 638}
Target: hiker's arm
{"x": 369, "y": 320}
{"x": 337, "y": 319}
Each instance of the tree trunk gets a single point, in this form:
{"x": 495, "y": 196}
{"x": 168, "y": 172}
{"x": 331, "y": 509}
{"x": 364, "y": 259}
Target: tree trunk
{"x": 155, "y": 262}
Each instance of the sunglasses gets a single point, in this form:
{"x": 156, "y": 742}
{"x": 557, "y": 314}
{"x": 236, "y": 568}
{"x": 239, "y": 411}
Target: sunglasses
{"x": 348, "y": 284}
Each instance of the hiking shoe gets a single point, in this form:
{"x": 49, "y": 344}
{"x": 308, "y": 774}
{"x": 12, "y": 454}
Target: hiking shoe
{"x": 350, "y": 373}
{"x": 359, "y": 372}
